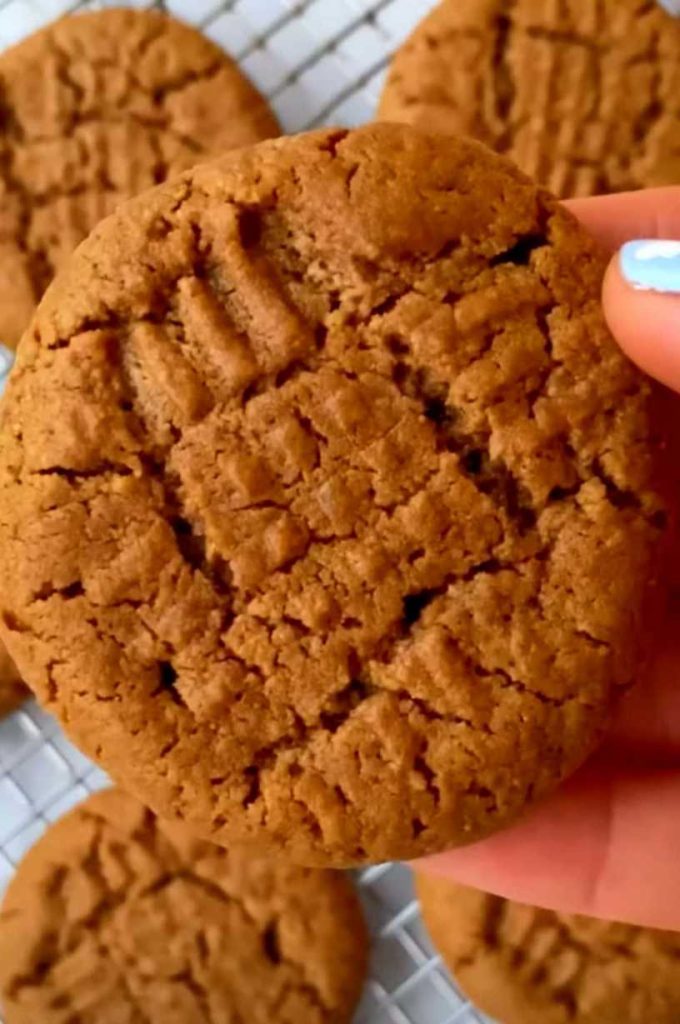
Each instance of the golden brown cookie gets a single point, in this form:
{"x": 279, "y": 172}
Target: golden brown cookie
{"x": 584, "y": 96}
{"x": 97, "y": 107}
{"x": 117, "y": 918}
{"x": 12, "y": 689}
{"x": 343, "y": 541}
{"x": 523, "y": 965}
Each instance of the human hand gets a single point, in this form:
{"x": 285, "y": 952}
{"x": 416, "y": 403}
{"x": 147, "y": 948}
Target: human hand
{"x": 608, "y": 843}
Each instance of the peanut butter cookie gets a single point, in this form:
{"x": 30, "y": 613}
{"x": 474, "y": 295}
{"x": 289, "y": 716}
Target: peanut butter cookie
{"x": 116, "y": 917}
{"x": 344, "y": 536}
{"x": 95, "y": 108}
{"x": 523, "y": 965}
{"x": 584, "y": 96}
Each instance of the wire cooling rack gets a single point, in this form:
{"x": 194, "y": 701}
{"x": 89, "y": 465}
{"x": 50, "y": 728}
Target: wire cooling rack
{"x": 319, "y": 62}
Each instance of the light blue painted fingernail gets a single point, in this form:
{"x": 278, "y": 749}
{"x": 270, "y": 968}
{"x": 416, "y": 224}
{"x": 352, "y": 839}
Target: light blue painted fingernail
{"x": 652, "y": 265}
{"x": 672, "y": 6}
{"x": 6, "y": 360}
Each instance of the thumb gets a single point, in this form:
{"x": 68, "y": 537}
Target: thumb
{"x": 642, "y": 305}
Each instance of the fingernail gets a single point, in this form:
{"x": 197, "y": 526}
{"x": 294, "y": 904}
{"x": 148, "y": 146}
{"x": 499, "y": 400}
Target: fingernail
{"x": 6, "y": 360}
{"x": 652, "y": 265}
{"x": 672, "y": 6}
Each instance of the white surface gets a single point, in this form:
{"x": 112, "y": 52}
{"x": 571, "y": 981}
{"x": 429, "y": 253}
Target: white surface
{"x": 320, "y": 62}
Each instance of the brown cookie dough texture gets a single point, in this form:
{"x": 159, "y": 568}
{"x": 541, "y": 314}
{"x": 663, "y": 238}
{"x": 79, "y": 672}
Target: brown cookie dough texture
{"x": 584, "y": 96}
{"x": 117, "y": 918}
{"x": 12, "y": 689}
{"x": 523, "y": 965}
{"x": 342, "y": 540}
{"x": 96, "y": 108}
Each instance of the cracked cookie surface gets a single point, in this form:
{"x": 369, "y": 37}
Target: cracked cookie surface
{"x": 343, "y": 539}
{"x": 116, "y": 917}
{"x": 585, "y": 97}
{"x": 95, "y": 108}
{"x": 523, "y": 965}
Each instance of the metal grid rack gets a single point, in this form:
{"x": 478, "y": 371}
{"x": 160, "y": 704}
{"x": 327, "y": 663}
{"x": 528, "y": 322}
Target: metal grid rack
{"x": 319, "y": 62}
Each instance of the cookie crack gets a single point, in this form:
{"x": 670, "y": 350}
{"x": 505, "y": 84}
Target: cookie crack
{"x": 190, "y": 538}
{"x": 655, "y": 110}
{"x": 569, "y": 38}
{"x": 38, "y": 265}
{"x": 269, "y": 938}
{"x": 201, "y": 993}
{"x": 56, "y": 947}
{"x": 492, "y": 478}
{"x": 553, "y": 937}
{"x": 505, "y": 88}
{"x": 74, "y": 476}
{"x": 432, "y": 714}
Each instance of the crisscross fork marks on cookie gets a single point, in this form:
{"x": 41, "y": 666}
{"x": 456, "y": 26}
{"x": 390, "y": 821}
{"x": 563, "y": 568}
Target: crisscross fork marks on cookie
{"x": 331, "y": 491}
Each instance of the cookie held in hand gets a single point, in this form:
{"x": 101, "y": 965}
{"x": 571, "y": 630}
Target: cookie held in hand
{"x": 343, "y": 541}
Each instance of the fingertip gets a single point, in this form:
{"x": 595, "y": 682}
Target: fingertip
{"x": 550, "y": 858}
{"x": 645, "y": 323}
{"x": 604, "y": 845}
